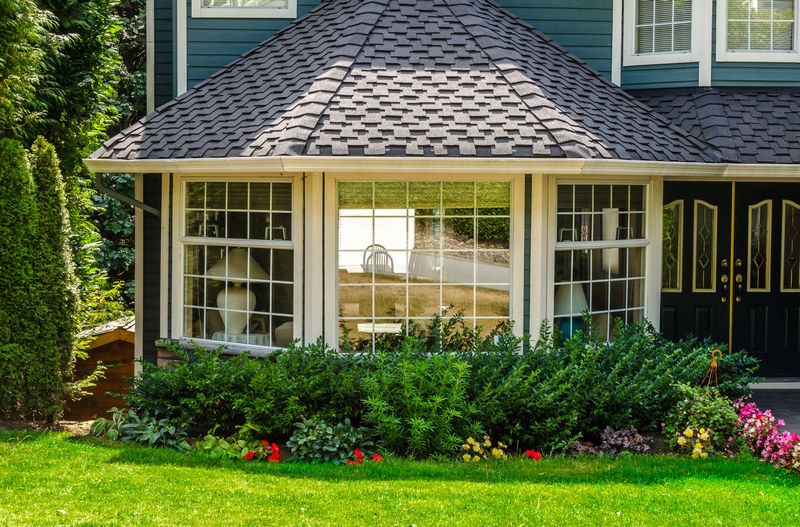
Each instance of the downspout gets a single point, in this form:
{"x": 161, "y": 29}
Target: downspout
{"x": 101, "y": 186}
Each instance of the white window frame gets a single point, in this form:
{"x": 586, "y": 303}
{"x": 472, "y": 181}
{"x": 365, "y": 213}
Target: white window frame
{"x": 201, "y": 11}
{"x": 723, "y": 55}
{"x": 331, "y": 226}
{"x": 700, "y": 30}
{"x": 651, "y": 244}
{"x": 179, "y": 242}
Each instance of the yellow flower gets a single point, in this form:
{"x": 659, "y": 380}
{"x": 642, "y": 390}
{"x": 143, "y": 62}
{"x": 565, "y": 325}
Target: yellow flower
{"x": 682, "y": 441}
{"x": 497, "y": 453}
{"x": 703, "y": 435}
{"x": 465, "y": 446}
{"x": 502, "y": 445}
{"x": 703, "y": 455}
{"x": 477, "y": 448}
{"x": 470, "y": 441}
{"x": 487, "y": 442}
{"x": 467, "y": 457}
{"x": 702, "y": 431}
{"x": 695, "y": 454}
{"x": 476, "y": 458}
{"x": 688, "y": 432}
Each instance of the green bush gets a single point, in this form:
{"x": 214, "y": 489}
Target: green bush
{"x": 202, "y": 390}
{"x": 418, "y": 403}
{"x": 315, "y": 441}
{"x": 305, "y": 382}
{"x": 131, "y": 427}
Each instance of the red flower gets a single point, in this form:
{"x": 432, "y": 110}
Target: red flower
{"x": 359, "y": 456}
{"x": 275, "y": 449}
{"x": 274, "y": 458}
{"x": 377, "y": 458}
{"x": 249, "y": 456}
{"x": 533, "y": 454}
{"x": 265, "y": 443}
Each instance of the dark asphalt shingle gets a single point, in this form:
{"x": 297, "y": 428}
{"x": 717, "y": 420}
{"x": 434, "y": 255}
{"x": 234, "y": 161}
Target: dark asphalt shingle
{"x": 438, "y": 78}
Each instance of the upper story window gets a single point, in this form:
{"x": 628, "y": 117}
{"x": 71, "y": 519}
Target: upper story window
{"x": 757, "y": 30}
{"x": 244, "y": 8}
{"x": 659, "y": 31}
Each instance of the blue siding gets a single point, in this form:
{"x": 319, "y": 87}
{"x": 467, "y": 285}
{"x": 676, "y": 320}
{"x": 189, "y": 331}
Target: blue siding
{"x": 660, "y": 76}
{"x": 164, "y": 66}
{"x": 581, "y": 26}
{"x": 215, "y": 42}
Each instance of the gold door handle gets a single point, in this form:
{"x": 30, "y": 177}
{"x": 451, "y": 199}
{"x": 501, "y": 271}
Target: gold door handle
{"x": 724, "y": 279}
{"x": 739, "y": 281}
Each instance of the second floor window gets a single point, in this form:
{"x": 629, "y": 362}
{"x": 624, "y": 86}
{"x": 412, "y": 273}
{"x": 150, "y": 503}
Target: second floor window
{"x": 761, "y": 25}
{"x": 663, "y": 26}
{"x": 244, "y": 8}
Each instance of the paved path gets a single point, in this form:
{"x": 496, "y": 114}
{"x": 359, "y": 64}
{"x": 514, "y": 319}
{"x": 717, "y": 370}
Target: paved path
{"x": 783, "y": 398}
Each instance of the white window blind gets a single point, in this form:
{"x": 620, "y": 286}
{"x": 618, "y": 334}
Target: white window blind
{"x": 663, "y": 26}
{"x": 761, "y": 25}
{"x": 274, "y": 4}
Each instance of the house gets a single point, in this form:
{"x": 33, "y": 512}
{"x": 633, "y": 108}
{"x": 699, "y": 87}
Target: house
{"x": 373, "y": 163}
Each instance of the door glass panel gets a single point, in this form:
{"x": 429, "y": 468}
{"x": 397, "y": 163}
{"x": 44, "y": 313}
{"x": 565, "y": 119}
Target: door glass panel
{"x": 672, "y": 243}
{"x": 760, "y": 220}
{"x": 790, "y": 252}
{"x": 705, "y": 247}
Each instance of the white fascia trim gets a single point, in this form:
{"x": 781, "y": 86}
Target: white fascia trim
{"x": 150, "y": 67}
{"x": 181, "y": 49}
{"x": 631, "y": 58}
{"x": 616, "y": 44}
{"x": 723, "y": 55}
{"x": 478, "y": 165}
{"x": 199, "y": 11}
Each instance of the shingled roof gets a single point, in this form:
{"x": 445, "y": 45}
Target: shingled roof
{"x": 747, "y": 126}
{"x": 401, "y": 78}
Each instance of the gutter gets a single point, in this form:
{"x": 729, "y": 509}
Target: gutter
{"x": 102, "y": 187}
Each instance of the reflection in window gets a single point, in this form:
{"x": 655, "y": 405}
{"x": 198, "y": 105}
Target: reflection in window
{"x": 409, "y": 251}
{"x": 758, "y": 250}
{"x": 761, "y": 25}
{"x": 238, "y": 262}
{"x": 705, "y": 247}
{"x": 600, "y": 255}
{"x": 791, "y": 246}
{"x": 672, "y": 240}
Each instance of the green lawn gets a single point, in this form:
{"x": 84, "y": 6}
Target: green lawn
{"x": 53, "y": 479}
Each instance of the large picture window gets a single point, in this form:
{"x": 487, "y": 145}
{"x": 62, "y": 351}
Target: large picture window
{"x": 410, "y": 251}
{"x": 238, "y": 262}
{"x": 600, "y": 255}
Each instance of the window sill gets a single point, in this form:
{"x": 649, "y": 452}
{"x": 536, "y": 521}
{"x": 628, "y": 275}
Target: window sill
{"x": 655, "y": 59}
{"x": 758, "y": 56}
{"x": 198, "y": 11}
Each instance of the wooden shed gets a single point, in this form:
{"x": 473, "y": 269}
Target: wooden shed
{"x": 113, "y": 345}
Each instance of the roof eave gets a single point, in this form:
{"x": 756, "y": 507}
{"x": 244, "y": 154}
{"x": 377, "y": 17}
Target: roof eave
{"x": 410, "y": 165}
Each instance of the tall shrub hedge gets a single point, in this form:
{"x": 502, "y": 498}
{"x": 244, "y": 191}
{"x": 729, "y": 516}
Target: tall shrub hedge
{"x": 424, "y": 399}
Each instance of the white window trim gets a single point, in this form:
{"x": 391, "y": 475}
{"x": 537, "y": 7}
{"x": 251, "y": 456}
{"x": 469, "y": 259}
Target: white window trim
{"x": 331, "y": 226}
{"x": 700, "y": 29}
{"x": 723, "y": 55}
{"x": 179, "y": 241}
{"x": 200, "y": 11}
{"x": 653, "y": 188}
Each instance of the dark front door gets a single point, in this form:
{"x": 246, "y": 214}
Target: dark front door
{"x": 695, "y": 261}
{"x": 747, "y": 294}
{"x": 766, "y": 275}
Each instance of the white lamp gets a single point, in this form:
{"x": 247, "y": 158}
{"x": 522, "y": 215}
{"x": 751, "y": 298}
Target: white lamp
{"x": 237, "y": 267}
{"x": 569, "y": 303}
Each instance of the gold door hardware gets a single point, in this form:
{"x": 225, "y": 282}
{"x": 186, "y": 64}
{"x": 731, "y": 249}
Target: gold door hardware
{"x": 739, "y": 280}
{"x": 724, "y": 279}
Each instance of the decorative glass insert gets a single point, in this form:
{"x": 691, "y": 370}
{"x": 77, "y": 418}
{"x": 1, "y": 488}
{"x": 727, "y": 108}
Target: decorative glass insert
{"x": 273, "y": 4}
{"x": 790, "y": 252}
{"x": 758, "y": 249}
{"x": 761, "y": 25}
{"x": 663, "y": 26}
{"x": 705, "y": 247}
{"x": 600, "y": 255}
{"x": 238, "y": 264}
{"x": 411, "y": 251}
{"x": 672, "y": 248}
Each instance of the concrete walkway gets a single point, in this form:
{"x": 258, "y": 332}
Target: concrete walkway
{"x": 782, "y": 396}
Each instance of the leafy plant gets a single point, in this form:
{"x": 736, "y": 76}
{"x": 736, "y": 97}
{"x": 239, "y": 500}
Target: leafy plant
{"x": 316, "y": 441}
{"x": 702, "y": 408}
{"x": 130, "y": 427}
{"x": 240, "y": 446}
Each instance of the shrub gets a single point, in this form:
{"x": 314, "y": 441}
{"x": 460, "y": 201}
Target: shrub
{"x": 305, "y": 382}
{"x": 201, "y": 391}
{"x": 240, "y": 446}
{"x": 702, "y": 415}
{"x": 418, "y": 403}
{"x": 761, "y": 433}
{"x": 315, "y": 441}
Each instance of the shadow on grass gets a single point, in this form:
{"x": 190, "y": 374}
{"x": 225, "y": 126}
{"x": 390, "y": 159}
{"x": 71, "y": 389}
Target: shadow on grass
{"x": 632, "y": 470}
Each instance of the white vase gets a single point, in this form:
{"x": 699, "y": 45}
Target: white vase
{"x": 235, "y": 298}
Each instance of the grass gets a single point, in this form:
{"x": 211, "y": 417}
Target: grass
{"x": 49, "y": 479}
